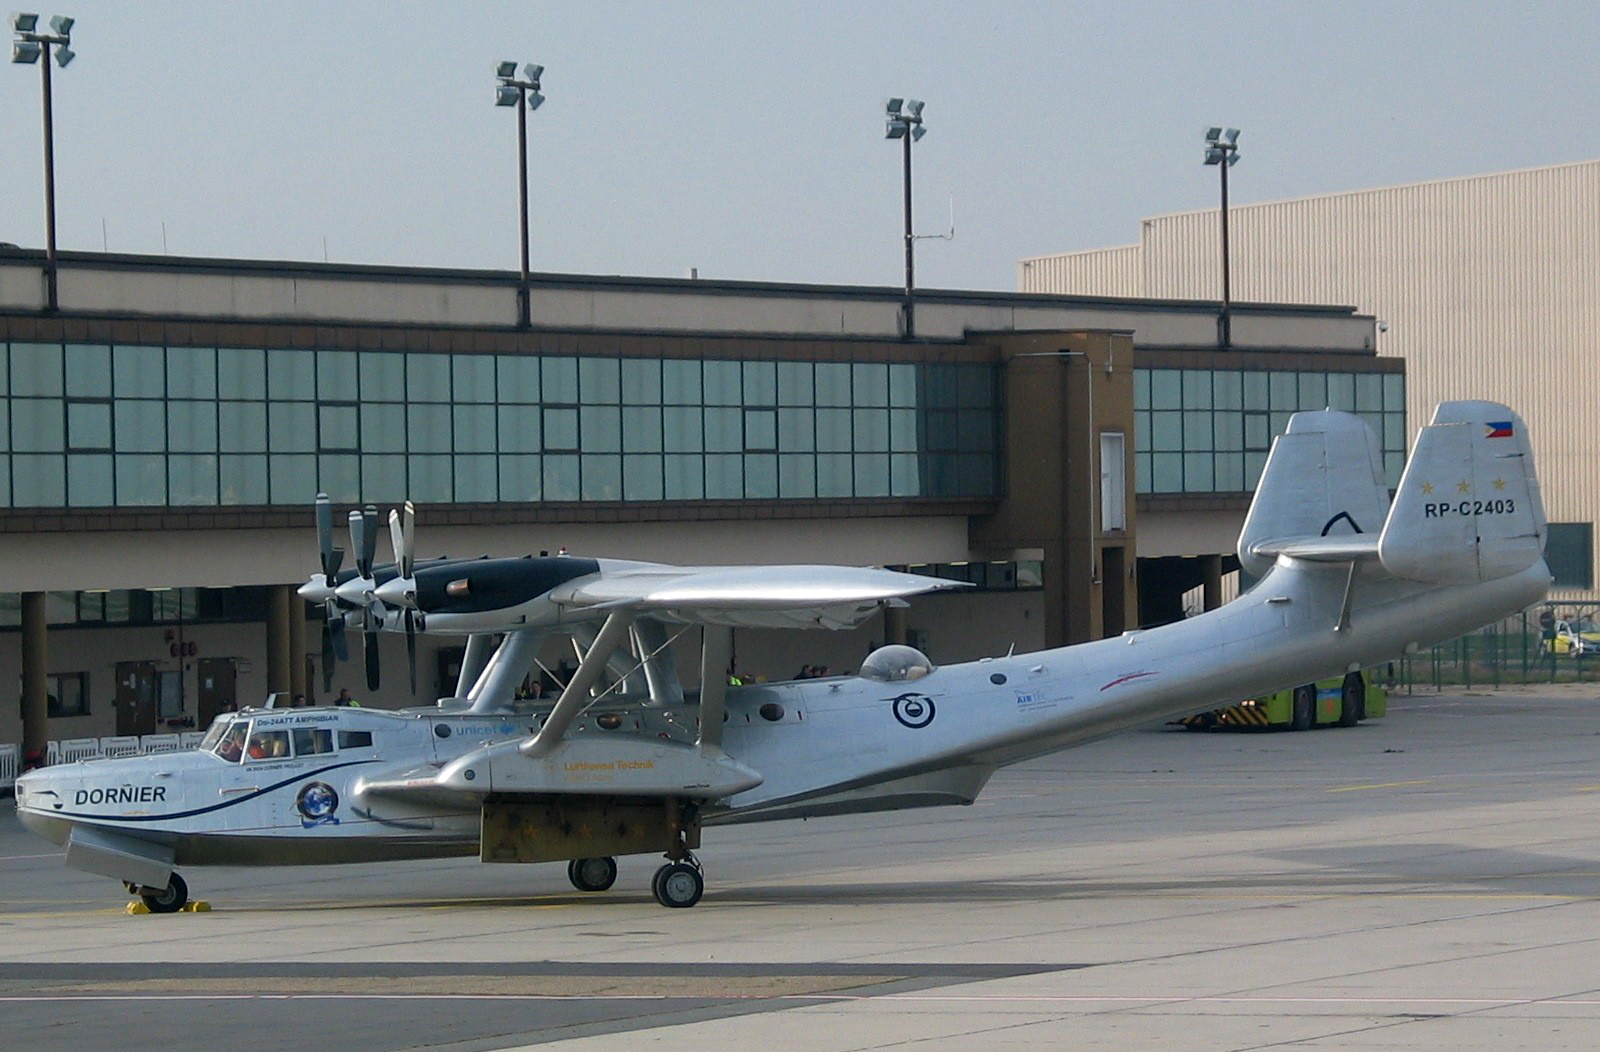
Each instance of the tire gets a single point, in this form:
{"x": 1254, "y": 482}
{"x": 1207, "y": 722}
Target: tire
{"x": 171, "y": 899}
{"x": 1352, "y": 700}
{"x": 592, "y": 874}
{"x": 678, "y": 885}
{"x": 1305, "y": 708}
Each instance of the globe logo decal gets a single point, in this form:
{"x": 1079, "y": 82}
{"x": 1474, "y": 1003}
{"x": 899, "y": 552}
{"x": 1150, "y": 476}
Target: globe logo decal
{"x": 316, "y": 803}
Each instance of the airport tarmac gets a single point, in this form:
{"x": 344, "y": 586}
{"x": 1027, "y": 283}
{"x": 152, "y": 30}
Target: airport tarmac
{"x": 1428, "y": 880}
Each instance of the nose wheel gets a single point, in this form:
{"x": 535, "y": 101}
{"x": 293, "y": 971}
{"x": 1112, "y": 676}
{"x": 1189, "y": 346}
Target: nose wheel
{"x": 169, "y": 899}
{"x": 679, "y": 885}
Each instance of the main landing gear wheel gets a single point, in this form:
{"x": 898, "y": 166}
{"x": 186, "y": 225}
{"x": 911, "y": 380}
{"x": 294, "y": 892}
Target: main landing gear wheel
{"x": 678, "y": 885}
{"x": 592, "y": 874}
{"x": 170, "y": 899}
{"x": 1352, "y": 701}
{"x": 1304, "y": 713}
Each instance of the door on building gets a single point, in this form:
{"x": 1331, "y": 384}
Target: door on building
{"x": 137, "y": 691}
{"x": 218, "y": 686}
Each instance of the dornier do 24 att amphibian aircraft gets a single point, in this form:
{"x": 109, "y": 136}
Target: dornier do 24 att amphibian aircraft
{"x": 626, "y": 761}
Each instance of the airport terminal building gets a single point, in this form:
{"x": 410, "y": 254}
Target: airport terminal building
{"x": 1082, "y": 461}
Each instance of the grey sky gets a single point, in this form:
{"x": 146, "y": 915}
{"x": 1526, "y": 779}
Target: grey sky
{"x": 746, "y": 139}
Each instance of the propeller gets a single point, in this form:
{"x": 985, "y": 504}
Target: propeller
{"x": 321, "y": 591}
{"x": 402, "y": 534}
{"x": 364, "y": 542}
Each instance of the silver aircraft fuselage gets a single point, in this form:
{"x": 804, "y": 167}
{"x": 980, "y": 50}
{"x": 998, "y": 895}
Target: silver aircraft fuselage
{"x": 829, "y": 746}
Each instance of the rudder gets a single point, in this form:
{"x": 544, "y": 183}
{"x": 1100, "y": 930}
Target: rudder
{"x": 1468, "y": 507}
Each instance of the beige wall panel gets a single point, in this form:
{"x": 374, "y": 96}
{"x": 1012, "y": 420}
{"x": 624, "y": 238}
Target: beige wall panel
{"x": 1164, "y": 533}
{"x": 1100, "y": 272}
{"x": 1489, "y": 285}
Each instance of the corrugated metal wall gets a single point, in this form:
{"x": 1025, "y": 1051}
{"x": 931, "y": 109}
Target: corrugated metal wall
{"x": 1490, "y": 286}
{"x": 1102, "y": 272}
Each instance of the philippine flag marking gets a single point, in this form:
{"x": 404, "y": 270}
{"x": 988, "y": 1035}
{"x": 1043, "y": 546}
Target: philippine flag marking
{"x": 1498, "y": 429}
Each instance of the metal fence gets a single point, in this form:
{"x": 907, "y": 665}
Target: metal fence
{"x": 71, "y": 750}
{"x": 1547, "y": 643}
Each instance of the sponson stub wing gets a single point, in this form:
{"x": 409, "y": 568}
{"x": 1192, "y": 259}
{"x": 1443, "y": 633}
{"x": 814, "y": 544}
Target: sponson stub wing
{"x": 746, "y": 596}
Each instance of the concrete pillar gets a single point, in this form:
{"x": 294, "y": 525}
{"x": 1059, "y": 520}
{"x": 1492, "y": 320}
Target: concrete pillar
{"x": 35, "y": 680}
{"x": 297, "y": 648}
{"x": 1213, "y": 584}
{"x": 894, "y": 624}
{"x": 278, "y": 663}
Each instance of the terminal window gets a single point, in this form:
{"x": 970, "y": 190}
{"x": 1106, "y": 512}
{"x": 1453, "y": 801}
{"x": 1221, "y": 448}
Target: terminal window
{"x": 90, "y": 425}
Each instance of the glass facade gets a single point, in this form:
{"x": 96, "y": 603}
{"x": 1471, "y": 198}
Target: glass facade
{"x": 1209, "y": 430}
{"x": 91, "y": 425}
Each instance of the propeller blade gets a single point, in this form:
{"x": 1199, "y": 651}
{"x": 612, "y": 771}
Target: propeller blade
{"x": 324, "y": 508}
{"x": 335, "y": 623}
{"x": 369, "y": 549}
{"x": 397, "y": 539}
{"x": 408, "y": 531}
{"x": 411, "y": 647}
{"x": 328, "y": 656}
{"x": 358, "y": 543}
{"x": 371, "y": 640}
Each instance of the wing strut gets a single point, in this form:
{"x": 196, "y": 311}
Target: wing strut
{"x": 1349, "y": 598}
{"x": 716, "y": 648}
{"x": 576, "y": 694}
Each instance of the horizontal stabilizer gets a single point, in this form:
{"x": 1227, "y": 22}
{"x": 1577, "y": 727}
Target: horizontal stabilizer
{"x": 1468, "y": 507}
{"x": 1322, "y": 486}
{"x": 1323, "y": 549}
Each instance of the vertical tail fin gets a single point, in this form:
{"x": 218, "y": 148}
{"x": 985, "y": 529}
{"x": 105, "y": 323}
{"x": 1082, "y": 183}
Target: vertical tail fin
{"x": 1468, "y": 507}
{"x": 1324, "y": 478}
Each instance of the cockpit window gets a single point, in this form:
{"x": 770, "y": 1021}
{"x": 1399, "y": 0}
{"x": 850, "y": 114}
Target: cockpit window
{"x": 267, "y": 745}
{"x": 896, "y": 664}
{"x": 309, "y": 741}
{"x": 230, "y": 746}
{"x": 214, "y": 733}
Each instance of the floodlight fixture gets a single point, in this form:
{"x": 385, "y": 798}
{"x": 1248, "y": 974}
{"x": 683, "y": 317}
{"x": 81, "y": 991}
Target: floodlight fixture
{"x": 1222, "y": 150}
{"x": 28, "y": 48}
{"x": 524, "y": 95}
{"x": 905, "y": 123}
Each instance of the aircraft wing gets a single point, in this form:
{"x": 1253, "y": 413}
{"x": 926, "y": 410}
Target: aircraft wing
{"x": 749, "y": 596}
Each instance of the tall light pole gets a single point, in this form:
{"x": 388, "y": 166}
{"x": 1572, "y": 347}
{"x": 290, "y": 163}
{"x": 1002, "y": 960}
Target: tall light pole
{"x": 28, "y": 47}
{"x": 905, "y": 123}
{"x": 524, "y": 95}
{"x": 1222, "y": 150}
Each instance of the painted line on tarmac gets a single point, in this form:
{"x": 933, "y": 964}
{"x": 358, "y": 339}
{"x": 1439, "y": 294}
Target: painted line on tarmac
{"x": 1380, "y": 785}
{"x": 1150, "y": 1000}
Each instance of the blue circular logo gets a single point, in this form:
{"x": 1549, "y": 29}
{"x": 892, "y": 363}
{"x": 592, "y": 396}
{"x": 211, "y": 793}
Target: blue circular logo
{"x": 914, "y": 710}
{"x": 316, "y": 803}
